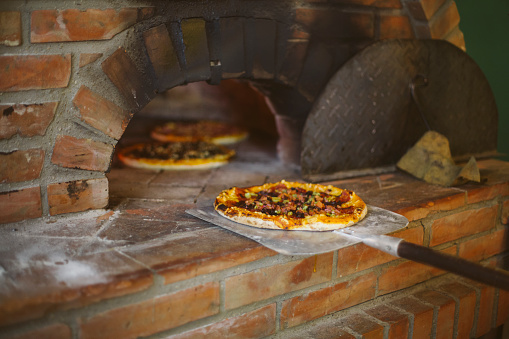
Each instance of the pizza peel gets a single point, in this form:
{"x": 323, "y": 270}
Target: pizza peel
{"x": 378, "y": 221}
{"x": 371, "y": 231}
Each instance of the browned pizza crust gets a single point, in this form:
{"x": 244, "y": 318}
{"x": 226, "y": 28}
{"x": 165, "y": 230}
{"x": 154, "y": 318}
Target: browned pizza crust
{"x": 175, "y": 156}
{"x": 291, "y": 206}
{"x": 216, "y": 132}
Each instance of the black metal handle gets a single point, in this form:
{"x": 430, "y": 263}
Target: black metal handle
{"x": 493, "y": 277}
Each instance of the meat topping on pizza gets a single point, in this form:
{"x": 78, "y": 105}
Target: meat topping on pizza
{"x": 175, "y": 155}
{"x": 204, "y": 128}
{"x": 201, "y": 130}
{"x": 177, "y": 150}
{"x": 291, "y": 205}
{"x": 296, "y": 202}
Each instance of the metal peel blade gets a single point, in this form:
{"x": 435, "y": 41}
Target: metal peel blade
{"x": 377, "y": 221}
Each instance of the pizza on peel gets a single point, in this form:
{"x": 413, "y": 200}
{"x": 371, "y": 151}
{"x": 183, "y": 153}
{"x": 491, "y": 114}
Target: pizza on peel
{"x": 291, "y": 206}
{"x": 201, "y": 130}
{"x": 175, "y": 155}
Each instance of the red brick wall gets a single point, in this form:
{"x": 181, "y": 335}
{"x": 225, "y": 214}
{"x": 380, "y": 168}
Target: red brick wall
{"x": 210, "y": 283}
{"x": 68, "y": 93}
{"x": 73, "y": 77}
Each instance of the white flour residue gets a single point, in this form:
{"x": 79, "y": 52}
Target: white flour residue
{"x": 38, "y": 254}
{"x": 61, "y": 22}
{"x": 59, "y": 260}
{"x": 75, "y": 273}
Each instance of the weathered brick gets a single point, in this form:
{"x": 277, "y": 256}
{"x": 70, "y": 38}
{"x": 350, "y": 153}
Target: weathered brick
{"x": 459, "y": 225}
{"x": 444, "y": 21}
{"x": 422, "y": 210}
{"x": 21, "y": 165}
{"x": 503, "y": 307}
{"x": 255, "y": 324}
{"x": 495, "y": 171}
{"x": 136, "y": 190}
{"x": 347, "y": 25}
{"x": 101, "y": 113}
{"x": 359, "y": 257}
{"x": 201, "y": 252}
{"x": 422, "y": 316}
{"x": 55, "y": 331}
{"x": 268, "y": 282}
{"x": 395, "y": 27}
{"x": 122, "y": 71}
{"x": 20, "y": 205}
{"x": 412, "y": 198}
{"x": 466, "y": 303}
{"x": 487, "y": 192}
{"x": 397, "y": 320}
{"x": 10, "y": 28}
{"x": 131, "y": 176}
{"x": 327, "y": 330}
{"x": 407, "y": 273}
{"x": 24, "y": 72}
{"x": 264, "y": 48}
{"x": 77, "y": 196}
{"x": 317, "y": 304}
{"x": 26, "y": 120}
{"x": 78, "y": 276}
{"x": 485, "y": 315}
{"x": 484, "y": 247}
{"x": 505, "y": 213}
{"x": 174, "y": 178}
{"x": 77, "y": 25}
{"x": 163, "y": 57}
{"x": 88, "y": 58}
{"x": 365, "y": 327}
{"x": 196, "y": 51}
{"x": 444, "y": 307}
{"x": 84, "y": 154}
{"x": 231, "y": 44}
{"x": 154, "y": 315}
{"x": 424, "y": 9}
{"x": 293, "y": 59}
{"x": 329, "y": 333}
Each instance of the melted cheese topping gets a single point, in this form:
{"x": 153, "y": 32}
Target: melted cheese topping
{"x": 212, "y": 131}
{"x": 291, "y": 205}
{"x": 175, "y": 155}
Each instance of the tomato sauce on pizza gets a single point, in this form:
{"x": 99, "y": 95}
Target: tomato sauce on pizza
{"x": 202, "y": 130}
{"x": 175, "y": 155}
{"x": 291, "y": 206}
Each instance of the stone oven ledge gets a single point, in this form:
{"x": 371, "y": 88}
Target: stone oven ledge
{"x": 146, "y": 268}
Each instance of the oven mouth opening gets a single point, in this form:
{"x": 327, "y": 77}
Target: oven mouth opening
{"x": 233, "y": 102}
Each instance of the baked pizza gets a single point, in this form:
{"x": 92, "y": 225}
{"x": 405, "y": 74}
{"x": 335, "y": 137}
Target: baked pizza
{"x": 175, "y": 155}
{"x": 202, "y": 130}
{"x": 291, "y": 206}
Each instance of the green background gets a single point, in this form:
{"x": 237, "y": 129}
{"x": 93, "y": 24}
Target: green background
{"x": 485, "y": 25}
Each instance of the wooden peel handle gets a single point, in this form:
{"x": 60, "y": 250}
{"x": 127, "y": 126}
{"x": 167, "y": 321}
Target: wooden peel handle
{"x": 493, "y": 277}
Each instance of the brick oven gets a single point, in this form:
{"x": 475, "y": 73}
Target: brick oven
{"x": 92, "y": 249}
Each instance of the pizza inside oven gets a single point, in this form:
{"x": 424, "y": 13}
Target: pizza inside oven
{"x": 175, "y": 155}
{"x": 216, "y": 132}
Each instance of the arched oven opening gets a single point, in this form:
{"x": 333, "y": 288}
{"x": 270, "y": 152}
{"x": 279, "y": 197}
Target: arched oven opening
{"x": 91, "y": 248}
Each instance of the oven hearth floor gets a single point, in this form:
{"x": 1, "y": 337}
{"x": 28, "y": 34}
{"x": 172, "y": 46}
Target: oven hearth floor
{"x": 145, "y": 241}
